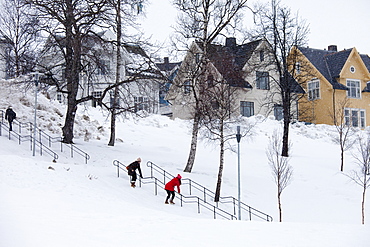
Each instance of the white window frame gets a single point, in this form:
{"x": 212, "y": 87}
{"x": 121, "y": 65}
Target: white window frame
{"x": 313, "y": 90}
{"x": 246, "y": 105}
{"x": 355, "y": 117}
{"x": 262, "y": 80}
{"x": 141, "y": 103}
{"x": 187, "y": 87}
{"x": 354, "y": 88}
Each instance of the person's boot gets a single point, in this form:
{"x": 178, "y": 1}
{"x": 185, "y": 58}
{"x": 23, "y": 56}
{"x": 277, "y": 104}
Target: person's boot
{"x": 172, "y": 202}
{"x": 133, "y": 184}
{"x": 166, "y": 202}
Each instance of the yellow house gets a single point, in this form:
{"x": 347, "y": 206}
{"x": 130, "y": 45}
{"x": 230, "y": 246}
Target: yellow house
{"x": 337, "y": 85}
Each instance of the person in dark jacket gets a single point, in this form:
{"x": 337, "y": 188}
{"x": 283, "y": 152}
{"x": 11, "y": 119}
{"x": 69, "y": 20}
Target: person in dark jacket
{"x": 10, "y": 116}
{"x": 170, "y": 188}
{"x": 131, "y": 168}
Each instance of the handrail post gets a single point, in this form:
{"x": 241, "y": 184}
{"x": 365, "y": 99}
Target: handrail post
{"x": 156, "y": 184}
{"x": 189, "y": 186}
{"x": 118, "y": 169}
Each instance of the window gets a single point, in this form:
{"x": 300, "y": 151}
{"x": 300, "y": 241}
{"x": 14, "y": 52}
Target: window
{"x": 246, "y": 108}
{"x": 297, "y": 67}
{"x": 354, "y": 117}
{"x": 59, "y": 97}
{"x": 187, "y": 87}
{"x": 103, "y": 67}
{"x": 197, "y": 57}
{"x": 262, "y": 56}
{"x": 210, "y": 81}
{"x": 313, "y": 90}
{"x": 353, "y": 89}
{"x": 96, "y": 95}
{"x": 278, "y": 112}
{"x": 262, "y": 80}
{"x": 111, "y": 99}
{"x": 141, "y": 103}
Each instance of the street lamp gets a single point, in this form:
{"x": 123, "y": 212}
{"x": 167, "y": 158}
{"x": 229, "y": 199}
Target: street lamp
{"x": 238, "y": 137}
{"x": 36, "y": 81}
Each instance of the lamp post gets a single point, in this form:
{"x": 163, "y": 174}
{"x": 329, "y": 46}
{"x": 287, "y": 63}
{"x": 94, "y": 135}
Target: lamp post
{"x": 238, "y": 137}
{"x": 36, "y": 81}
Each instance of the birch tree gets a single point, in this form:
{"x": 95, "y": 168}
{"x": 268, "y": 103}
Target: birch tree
{"x": 361, "y": 176}
{"x": 20, "y": 28}
{"x": 281, "y": 170}
{"x": 202, "y": 21}
{"x": 283, "y": 30}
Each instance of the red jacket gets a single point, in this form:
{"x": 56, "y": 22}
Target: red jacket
{"x": 171, "y": 185}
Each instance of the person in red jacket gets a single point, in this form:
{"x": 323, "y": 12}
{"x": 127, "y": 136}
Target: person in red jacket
{"x": 170, "y": 188}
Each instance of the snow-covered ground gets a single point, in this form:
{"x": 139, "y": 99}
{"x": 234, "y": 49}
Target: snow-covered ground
{"x": 78, "y": 204}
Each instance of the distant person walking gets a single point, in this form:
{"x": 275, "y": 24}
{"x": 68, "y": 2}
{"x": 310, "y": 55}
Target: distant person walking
{"x": 131, "y": 168}
{"x": 170, "y": 188}
{"x": 10, "y": 116}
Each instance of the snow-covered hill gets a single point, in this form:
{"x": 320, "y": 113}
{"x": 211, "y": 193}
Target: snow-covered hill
{"x": 78, "y": 204}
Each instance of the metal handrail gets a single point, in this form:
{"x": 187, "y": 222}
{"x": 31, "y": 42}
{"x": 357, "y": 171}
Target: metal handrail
{"x": 30, "y": 138}
{"x": 201, "y": 201}
{"x": 211, "y": 195}
{"x": 183, "y": 198}
{"x": 42, "y": 135}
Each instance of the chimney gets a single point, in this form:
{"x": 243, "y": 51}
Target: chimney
{"x": 332, "y": 48}
{"x": 230, "y": 42}
{"x": 166, "y": 60}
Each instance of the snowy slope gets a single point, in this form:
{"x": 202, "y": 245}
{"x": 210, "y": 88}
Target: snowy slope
{"x": 78, "y": 204}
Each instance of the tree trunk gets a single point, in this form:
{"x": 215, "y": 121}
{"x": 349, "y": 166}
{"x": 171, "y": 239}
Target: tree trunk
{"x": 341, "y": 157}
{"x": 363, "y": 204}
{"x": 221, "y": 167}
{"x": 280, "y": 209}
{"x": 286, "y": 111}
{"x": 285, "y": 148}
{"x": 73, "y": 55}
{"x": 193, "y": 145}
{"x": 118, "y": 76}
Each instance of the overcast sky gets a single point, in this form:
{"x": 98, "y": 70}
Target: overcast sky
{"x": 332, "y": 22}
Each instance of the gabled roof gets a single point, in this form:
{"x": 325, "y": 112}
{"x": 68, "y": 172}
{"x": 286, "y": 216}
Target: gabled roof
{"x": 330, "y": 63}
{"x": 229, "y": 60}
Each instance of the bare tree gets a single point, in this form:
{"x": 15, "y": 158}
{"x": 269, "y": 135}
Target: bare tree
{"x": 69, "y": 23}
{"x": 361, "y": 176}
{"x": 276, "y": 24}
{"x": 123, "y": 17}
{"x": 202, "y": 21}
{"x": 20, "y": 29}
{"x": 343, "y": 127}
{"x": 281, "y": 170}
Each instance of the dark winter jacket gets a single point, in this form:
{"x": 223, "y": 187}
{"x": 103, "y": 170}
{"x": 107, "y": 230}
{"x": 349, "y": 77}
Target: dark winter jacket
{"x": 10, "y": 115}
{"x": 131, "y": 168}
{"x": 171, "y": 184}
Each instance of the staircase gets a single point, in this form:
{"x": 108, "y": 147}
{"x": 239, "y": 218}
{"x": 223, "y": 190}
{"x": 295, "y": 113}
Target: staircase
{"x": 24, "y": 132}
{"x": 199, "y": 195}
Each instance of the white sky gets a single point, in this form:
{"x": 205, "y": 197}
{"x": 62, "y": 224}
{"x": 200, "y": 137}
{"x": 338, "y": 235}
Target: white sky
{"x": 332, "y": 22}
